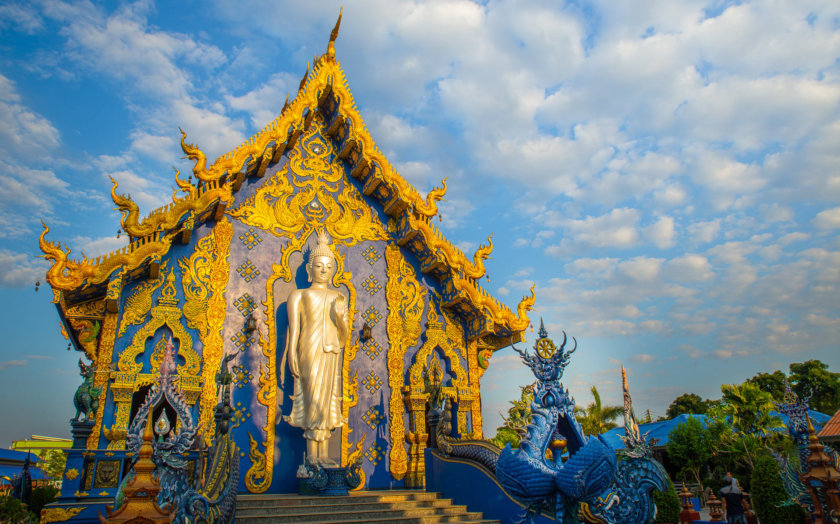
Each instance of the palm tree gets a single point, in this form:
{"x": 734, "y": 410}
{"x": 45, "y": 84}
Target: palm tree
{"x": 597, "y": 418}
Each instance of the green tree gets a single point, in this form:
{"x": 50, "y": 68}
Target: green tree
{"x": 813, "y": 378}
{"x": 769, "y": 496}
{"x": 748, "y": 410}
{"x": 13, "y": 510}
{"x": 687, "y": 403}
{"x": 518, "y": 417}
{"x": 773, "y": 383}
{"x": 41, "y": 497}
{"x": 596, "y": 418}
{"x": 691, "y": 447}
{"x": 667, "y": 504}
{"x": 52, "y": 463}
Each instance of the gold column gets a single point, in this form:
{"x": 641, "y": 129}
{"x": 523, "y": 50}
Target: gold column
{"x": 415, "y": 400}
{"x": 103, "y": 365}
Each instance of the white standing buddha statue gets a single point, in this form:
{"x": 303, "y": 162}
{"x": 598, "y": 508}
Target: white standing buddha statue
{"x": 317, "y": 333}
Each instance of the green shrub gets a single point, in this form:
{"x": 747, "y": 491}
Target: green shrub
{"x": 768, "y": 493}
{"x": 14, "y": 511}
{"x": 667, "y": 504}
{"x": 41, "y": 497}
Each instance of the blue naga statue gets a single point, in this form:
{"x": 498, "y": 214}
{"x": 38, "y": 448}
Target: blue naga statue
{"x": 799, "y": 428}
{"x": 593, "y": 485}
{"x": 212, "y": 498}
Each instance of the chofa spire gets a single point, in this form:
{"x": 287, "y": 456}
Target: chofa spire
{"x": 334, "y": 35}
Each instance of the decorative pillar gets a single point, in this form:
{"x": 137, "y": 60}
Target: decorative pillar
{"x": 417, "y": 438}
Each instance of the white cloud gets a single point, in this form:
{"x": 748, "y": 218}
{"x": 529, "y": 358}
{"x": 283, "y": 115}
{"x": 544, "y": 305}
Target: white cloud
{"x": 828, "y": 219}
{"x": 689, "y": 268}
{"x": 23, "y": 132}
{"x": 661, "y": 232}
{"x": 615, "y": 229}
{"x": 12, "y": 364}
{"x": 20, "y": 270}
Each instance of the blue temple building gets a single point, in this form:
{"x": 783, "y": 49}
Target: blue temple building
{"x": 212, "y": 270}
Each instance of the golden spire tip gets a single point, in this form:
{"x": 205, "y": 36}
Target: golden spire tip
{"x": 334, "y": 35}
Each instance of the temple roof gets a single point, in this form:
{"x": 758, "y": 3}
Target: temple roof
{"x": 322, "y": 90}
{"x": 831, "y": 429}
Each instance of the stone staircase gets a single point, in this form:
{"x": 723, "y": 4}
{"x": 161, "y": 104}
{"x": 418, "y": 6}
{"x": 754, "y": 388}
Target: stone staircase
{"x": 408, "y": 506}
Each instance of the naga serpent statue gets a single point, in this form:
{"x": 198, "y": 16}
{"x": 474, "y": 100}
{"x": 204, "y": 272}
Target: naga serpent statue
{"x": 798, "y": 428}
{"x": 593, "y": 485}
{"x": 212, "y": 496}
{"x": 86, "y": 398}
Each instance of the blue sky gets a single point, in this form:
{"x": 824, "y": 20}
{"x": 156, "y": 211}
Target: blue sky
{"x": 667, "y": 173}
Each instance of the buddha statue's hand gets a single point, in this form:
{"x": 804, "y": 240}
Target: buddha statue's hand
{"x": 339, "y": 309}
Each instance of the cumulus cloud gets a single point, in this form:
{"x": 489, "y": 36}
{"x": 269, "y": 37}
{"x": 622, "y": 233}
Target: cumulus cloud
{"x": 828, "y": 219}
{"x": 20, "y": 270}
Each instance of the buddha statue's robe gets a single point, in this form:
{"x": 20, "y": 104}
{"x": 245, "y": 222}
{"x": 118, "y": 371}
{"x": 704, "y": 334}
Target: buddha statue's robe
{"x": 314, "y": 352}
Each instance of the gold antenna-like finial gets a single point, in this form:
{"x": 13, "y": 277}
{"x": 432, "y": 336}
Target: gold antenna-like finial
{"x": 334, "y": 35}
{"x": 303, "y": 80}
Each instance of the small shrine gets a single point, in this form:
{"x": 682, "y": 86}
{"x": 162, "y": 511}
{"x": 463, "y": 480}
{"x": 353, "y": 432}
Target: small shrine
{"x": 304, "y": 236}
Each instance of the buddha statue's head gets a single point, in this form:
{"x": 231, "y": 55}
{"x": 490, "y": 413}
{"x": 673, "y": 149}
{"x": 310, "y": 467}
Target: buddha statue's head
{"x": 321, "y": 265}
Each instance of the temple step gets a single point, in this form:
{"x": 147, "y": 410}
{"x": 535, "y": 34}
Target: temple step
{"x": 358, "y": 507}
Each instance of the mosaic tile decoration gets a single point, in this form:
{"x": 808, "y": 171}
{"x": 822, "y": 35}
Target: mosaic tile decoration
{"x": 371, "y": 316}
{"x": 371, "y": 348}
{"x": 371, "y": 285}
{"x": 372, "y": 383}
{"x": 371, "y": 255}
{"x": 248, "y": 271}
{"x": 245, "y": 304}
{"x": 374, "y": 454}
{"x": 242, "y": 376}
{"x": 250, "y": 238}
{"x": 373, "y": 417}
{"x": 240, "y": 414}
{"x": 242, "y": 339}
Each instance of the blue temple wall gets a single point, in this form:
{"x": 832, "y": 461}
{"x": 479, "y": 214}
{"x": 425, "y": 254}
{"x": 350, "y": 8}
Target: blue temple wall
{"x": 251, "y": 258}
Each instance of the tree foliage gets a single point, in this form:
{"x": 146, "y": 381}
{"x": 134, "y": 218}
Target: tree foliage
{"x": 597, "y": 418}
{"x": 687, "y": 403}
{"x": 52, "y": 463}
{"x": 667, "y": 504}
{"x": 768, "y": 494}
{"x": 692, "y": 446}
{"x": 773, "y": 383}
{"x": 813, "y": 378}
{"x": 518, "y": 417}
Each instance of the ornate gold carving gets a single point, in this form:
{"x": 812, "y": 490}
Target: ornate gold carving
{"x": 195, "y": 280}
{"x": 66, "y": 274}
{"x": 165, "y": 313}
{"x": 107, "y": 336}
{"x": 351, "y": 457}
{"x": 60, "y": 514}
{"x": 258, "y": 478}
{"x": 72, "y": 474}
{"x": 475, "y": 372}
{"x": 107, "y": 474}
{"x": 139, "y": 302}
{"x": 169, "y": 216}
{"x": 320, "y": 199}
{"x": 95, "y": 309}
{"x": 406, "y": 302}
{"x": 86, "y": 332}
{"x": 216, "y": 309}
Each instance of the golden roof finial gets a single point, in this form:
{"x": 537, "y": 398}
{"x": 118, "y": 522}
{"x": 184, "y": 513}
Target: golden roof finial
{"x": 303, "y": 80}
{"x": 334, "y": 35}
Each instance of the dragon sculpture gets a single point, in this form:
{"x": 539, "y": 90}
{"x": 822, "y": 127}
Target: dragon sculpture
{"x": 86, "y": 398}
{"x": 797, "y": 411}
{"x": 593, "y": 485}
{"x": 211, "y": 497}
